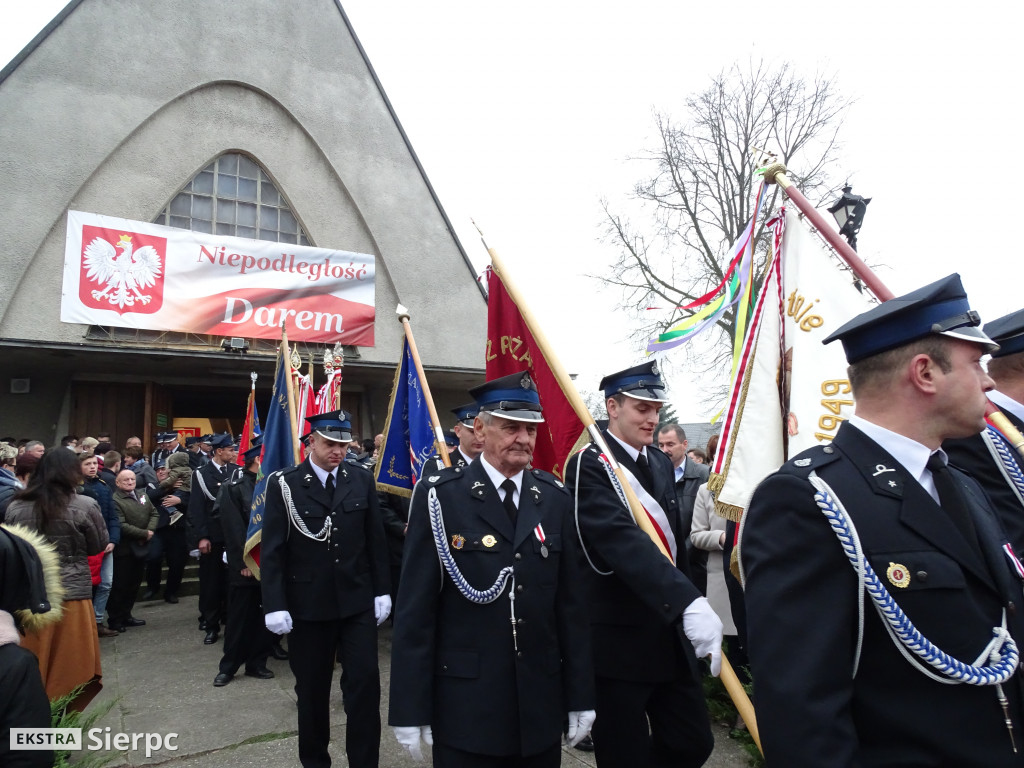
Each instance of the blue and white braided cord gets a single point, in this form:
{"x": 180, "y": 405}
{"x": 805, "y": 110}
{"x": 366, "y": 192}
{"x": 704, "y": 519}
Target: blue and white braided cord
{"x": 444, "y": 554}
{"x": 1007, "y": 458}
{"x": 1002, "y": 651}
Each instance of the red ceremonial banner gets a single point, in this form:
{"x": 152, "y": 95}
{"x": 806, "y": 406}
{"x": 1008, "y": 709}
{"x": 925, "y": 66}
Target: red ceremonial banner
{"x": 510, "y": 349}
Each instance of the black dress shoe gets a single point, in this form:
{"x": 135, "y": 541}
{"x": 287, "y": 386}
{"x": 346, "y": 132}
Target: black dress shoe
{"x": 222, "y": 679}
{"x": 149, "y": 594}
{"x": 131, "y": 621}
{"x": 262, "y": 673}
{"x": 202, "y": 625}
{"x": 586, "y": 744}
{"x": 170, "y": 598}
{"x": 211, "y": 637}
{"x": 278, "y": 652}
{"x": 119, "y": 628}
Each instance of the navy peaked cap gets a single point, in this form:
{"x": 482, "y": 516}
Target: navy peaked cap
{"x": 513, "y": 397}
{"x": 1008, "y": 332}
{"x": 642, "y": 381}
{"x": 940, "y": 308}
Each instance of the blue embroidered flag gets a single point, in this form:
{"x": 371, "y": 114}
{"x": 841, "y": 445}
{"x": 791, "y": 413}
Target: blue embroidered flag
{"x": 408, "y": 437}
{"x": 278, "y": 453}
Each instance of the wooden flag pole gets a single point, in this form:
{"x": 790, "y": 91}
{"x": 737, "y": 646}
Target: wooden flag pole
{"x": 728, "y": 675}
{"x": 775, "y": 173}
{"x": 296, "y": 450}
{"x": 442, "y": 447}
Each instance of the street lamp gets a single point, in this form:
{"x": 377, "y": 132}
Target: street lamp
{"x": 849, "y": 213}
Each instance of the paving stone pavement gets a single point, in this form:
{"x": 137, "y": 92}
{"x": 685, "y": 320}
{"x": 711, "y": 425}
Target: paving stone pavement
{"x": 161, "y": 679}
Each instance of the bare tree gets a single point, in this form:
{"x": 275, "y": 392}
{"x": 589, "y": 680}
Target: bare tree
{"x": 703, "y": 189}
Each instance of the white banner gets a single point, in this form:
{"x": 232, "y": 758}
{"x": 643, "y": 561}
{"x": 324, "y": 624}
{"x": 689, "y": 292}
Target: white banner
{"x": 131, "y": 274}
{"x": 817, "y": 297}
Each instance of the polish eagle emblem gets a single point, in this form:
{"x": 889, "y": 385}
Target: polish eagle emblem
{"x": 123, "y": 276}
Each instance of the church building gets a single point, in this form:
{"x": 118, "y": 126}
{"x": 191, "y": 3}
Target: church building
{"x": 180, "y": 178}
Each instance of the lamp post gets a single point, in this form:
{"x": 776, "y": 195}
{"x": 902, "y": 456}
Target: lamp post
{"x": 849, "y": 213}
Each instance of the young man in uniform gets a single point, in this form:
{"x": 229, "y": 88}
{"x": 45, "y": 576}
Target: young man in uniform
{"x": 324, "y": 578}
{"x": 650, "y": 701}
{"x": 877, "y": 519}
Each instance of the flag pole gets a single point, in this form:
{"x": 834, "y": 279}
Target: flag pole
{"x": 728, "y": 676}
{"x": 775, "y": 173}
{"x": 442, "y": 447}
{"x": 296, "y": 451}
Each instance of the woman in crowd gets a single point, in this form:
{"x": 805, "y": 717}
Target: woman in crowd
{"x": 68, "y": 651}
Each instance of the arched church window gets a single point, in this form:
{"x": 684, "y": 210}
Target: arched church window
{"x": 234, "y": 196}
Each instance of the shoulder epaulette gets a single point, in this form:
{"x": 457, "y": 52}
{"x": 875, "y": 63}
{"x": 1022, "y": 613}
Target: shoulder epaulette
{"x": 550, "y": 479}
{"x": 442, "y": 475}
{"x": 807, "y": 461}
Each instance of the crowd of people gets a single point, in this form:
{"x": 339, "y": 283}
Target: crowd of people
{"x": 529, "y": 612}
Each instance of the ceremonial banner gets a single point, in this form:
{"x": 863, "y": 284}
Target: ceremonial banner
{"x": 790, "y": 391}
{"x": 408, "y": 435}
{"x": 511, "y": 348}
{"x": 131, "y": 274}
{"x": 251, "y": 428}
{"x": 278, "y": 453}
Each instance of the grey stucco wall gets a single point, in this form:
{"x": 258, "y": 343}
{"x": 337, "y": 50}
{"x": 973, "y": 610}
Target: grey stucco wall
{"x": 124, "y": 101}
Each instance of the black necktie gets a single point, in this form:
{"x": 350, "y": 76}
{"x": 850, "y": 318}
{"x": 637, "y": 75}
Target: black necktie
{"x": 646, "y": 477}
{"x": 329, "y": 485}
{"x": 510, "y": 506}
{"x": 951, "y": 500}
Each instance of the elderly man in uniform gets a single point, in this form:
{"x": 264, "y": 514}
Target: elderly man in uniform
{"x": 324, "y": 575}
{"x": 649, "y": 696}
{"x": 207, "y": 531}
{"x": 877, "y": 519}
{"x": 989, "y": 456}
{"x": 489, "y": 679}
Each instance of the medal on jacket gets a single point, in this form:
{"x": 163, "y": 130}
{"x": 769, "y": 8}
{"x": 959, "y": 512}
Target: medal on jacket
{"x": 898, "y": 575}
{"x": 539, "y": 533}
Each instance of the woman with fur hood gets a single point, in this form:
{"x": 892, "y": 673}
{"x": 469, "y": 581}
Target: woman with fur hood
{"x": 68, "y": 651}
{"x": 29, "y": 580}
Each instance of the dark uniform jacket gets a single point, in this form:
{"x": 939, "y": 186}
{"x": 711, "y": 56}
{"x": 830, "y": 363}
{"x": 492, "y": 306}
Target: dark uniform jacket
{"x": 802, "y": 612}
{"x": 639, "y": 606}
{"x": 972, "y": 455}
{"x": 694, "y": 476}
{"x": 235, "y": 504}
{"x": 454, "y": 665}
{"x": 202, "y": 515}
{"x": 323, "y": 580}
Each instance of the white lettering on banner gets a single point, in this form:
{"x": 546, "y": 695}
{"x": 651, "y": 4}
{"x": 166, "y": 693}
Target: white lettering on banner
{"x": 229, "y": 311}
{"x": 272, "y": 317}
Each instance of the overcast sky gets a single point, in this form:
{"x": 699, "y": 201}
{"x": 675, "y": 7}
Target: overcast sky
{"x": 525, "y": 115}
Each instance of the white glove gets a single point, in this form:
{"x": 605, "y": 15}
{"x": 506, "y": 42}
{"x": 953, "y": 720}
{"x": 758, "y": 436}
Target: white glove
{"x": 382, "y": 608}
{"x": 580, "y": 724}
{"x": 409, "y": 737}
{"x": 278, "y": 622}
{"x": 703, "y": 629}
{"x": 224, "y": 557}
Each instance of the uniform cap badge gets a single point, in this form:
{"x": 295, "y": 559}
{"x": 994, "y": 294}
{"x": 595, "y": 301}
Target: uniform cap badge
{"x": 488, "y": 541}
{"x": 898, "y": 575}
{"x": 458, "y": 541}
